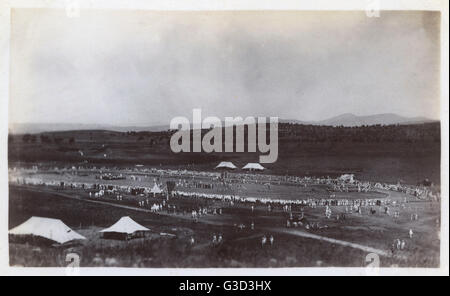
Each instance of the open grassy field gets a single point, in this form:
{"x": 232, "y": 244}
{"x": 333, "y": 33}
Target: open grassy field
{"x": 241, "y": 247}
{"x": 250, "y": 189}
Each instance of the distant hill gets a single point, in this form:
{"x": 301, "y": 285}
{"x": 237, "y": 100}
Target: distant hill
{"x": 347, "y": 119}
{"x": 30, "y": 128}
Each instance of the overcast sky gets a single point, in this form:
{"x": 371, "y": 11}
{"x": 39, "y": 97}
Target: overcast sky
{"x": 143, "y": 68}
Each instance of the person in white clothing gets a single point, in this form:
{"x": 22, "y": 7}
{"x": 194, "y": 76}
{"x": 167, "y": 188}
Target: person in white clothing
{"x": 263, "y": 241}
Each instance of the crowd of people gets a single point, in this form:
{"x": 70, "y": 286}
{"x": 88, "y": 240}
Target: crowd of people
{"x": 196, "y": 187}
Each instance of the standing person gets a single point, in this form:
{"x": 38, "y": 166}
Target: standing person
{"x": 271, "y": 240}
{"x": 263, "y": 241}
{"x": 411, "y": 233}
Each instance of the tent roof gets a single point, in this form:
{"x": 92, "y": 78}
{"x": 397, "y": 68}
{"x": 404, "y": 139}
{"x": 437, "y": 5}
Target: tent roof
{"x": 253, "y": 166}
{"x": 226, "y": 164}
{"x": 125, "y": 225}
{"x": 156, "y": 189}
{"x": 53, "y": 229}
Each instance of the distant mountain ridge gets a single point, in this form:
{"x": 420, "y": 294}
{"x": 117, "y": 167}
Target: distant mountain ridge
{"x": 347, "y": 119}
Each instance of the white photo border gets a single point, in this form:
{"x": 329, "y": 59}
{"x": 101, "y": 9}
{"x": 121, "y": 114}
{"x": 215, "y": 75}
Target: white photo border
{"x": 217, "y": 5}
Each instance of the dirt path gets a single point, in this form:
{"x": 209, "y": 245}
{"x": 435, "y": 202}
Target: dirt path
{"x": 330, "y": 240}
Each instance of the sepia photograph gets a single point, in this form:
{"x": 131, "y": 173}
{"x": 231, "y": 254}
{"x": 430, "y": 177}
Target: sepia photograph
{"x": 281, "y": 140}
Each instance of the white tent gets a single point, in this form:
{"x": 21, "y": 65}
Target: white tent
{"x": 125, "y": 225}
{"x": 347, "y": 178}
{"x": 53, "y": 229}
{"x": 156, "y": 189}
{"x": 226, "y": 165}
{"x": 253, "y": 166}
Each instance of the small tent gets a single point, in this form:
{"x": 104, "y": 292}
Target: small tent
{"x": 126, "y": 228}
{"x": 156, "y": 189}
{"x": 47, "y": 228}
{"x": 350, "y": 178}
{"x": 226, "y": 165}
{"x": 253, "y": 167}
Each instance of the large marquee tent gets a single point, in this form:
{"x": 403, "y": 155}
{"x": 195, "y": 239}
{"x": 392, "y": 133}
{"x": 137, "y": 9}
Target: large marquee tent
{"x": 125, "y": 228}
{"x": 48, "y": 228}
